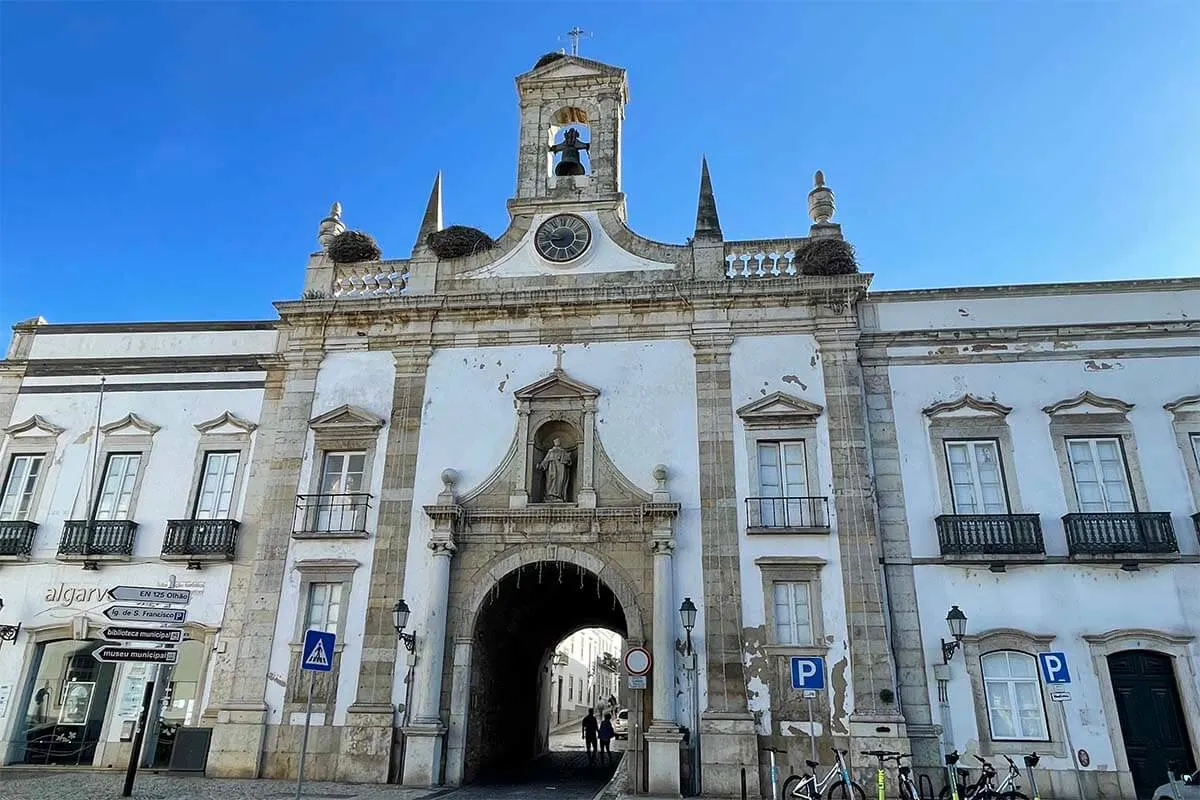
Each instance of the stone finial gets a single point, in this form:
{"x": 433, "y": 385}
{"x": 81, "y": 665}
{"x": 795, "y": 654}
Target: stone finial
{"x": 660, "y": 477}
{"x": 449, "y": 480}
{"x": 708, "y": 225}
{"x": 821, "y": 205}
{"x": 331, "y": 226}
{"x": 432, "y": 221}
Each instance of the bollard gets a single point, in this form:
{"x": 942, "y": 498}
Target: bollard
{"x": 743, "y": 783}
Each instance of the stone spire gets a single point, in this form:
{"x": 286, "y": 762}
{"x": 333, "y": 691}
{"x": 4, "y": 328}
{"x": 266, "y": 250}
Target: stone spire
{"x": 432, "y": 221}
{"x": 708, "y": 226}
{"x": 821, "y": 204}
{"x": 331, "y": 226}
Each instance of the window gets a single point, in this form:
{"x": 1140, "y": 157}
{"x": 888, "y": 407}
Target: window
{"x": 324, "y": 607}
{"x": 793, "y": 614}
{"x": 570, "y": 687}
{"x": 1196, "y": 448}
{"x": 782, "y": 482}
{"x": 19, "y": 484}
{"x": 1101, "y": 480}
{"x": 1014, "y": 696}
{"x": 976, "y": 477}
{"x": 215, "y": 497}
{"x": 342, "y": 475}
{"x": 116, "y": 488}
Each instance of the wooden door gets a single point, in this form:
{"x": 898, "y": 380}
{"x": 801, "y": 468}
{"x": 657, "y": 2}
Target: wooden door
{"x": 1152, "y": 722}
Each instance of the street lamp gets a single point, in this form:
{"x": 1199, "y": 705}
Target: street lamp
{"x": 400, "y": 614}
{"x": 687, "y": 613}
{"x": 8, "y": 633}
{"x": 957, "y": 621}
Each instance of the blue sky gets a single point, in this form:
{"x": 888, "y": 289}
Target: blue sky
{"x": 171, "y": 161}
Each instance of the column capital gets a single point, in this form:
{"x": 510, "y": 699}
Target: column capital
{"x": 443, "y": 547}
{"x": 662, "y": 547}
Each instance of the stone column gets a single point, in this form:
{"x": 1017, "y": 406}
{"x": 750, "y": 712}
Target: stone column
{"x": 367, "y": 754}
{"x": 729, "y": 741}
{"x": 874, "y": 721}
{"x": 239, "y": 682}
{"x": 663, "y": 736}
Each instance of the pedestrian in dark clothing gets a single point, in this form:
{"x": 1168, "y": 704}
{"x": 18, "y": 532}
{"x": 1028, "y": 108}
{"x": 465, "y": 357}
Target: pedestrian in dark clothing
{"x": 589, "y": 735}
{"x": 606, "y": 736}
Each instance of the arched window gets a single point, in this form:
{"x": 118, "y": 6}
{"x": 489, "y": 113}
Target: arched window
{"x": 1014, "y": 696}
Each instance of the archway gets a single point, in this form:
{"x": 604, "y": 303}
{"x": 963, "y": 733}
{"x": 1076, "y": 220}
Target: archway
{"x": 519, "y": 620}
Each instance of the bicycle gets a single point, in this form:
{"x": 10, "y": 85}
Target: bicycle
{"x": 960, "y": 786}
{"x": 985, "y": 788}
{"x": 908, "y": 790}
{"x": 808, "y": 787}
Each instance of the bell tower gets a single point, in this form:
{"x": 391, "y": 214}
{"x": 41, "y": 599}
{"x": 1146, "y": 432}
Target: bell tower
{"x": 570, "y": 139}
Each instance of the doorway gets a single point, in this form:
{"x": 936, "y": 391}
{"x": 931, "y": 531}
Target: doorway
{"x": 1151, "y": 715}
{"x": 66, "y": 705}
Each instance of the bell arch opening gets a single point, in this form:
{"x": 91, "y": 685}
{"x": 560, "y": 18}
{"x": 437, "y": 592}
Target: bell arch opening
{"x": 516, "y": 633}
{"x": 570, "y": 136}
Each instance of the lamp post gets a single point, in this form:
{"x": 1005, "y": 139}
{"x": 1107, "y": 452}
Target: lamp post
{"x": 687, "y": 615}
{"x": 400, "y": 614}
{"x": 957, "y": 622}
{"x": 8, "y": 633}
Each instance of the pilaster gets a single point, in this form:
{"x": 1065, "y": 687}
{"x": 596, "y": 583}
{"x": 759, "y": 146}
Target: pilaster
{"x": 370, "y": 719}
{"x": 239, "y": 680}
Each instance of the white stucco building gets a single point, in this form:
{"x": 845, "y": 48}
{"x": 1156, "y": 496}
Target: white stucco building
{"x": 126, "y": 456}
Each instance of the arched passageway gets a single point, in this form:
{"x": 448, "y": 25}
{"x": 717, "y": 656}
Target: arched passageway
{"x": 528, "y": 611}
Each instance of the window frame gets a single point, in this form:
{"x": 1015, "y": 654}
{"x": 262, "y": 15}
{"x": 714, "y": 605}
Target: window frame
{"x": 103, "y": 475}
{"x": 1068, "y": 422}
{"x": 337, "y": 592}
{"x": 130, "y": 435}
{"x": 34, "y": 491}
{"x": 1185, "y": 420}
{"x": 227, "y": 433}
{"x": 1092, "y": 441}
{"x": 233, "y": 489}
{"x": 972, "y": 419}
{"x": 950, "y": 441}
{"x": 1009, "y": 683}
{"x": 793, "y": 569}
{"x": 791, "y": 605}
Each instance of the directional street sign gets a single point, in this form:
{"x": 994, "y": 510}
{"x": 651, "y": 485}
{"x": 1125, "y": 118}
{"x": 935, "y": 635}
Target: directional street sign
{"x": 1054, "y": 667}
{"x": 317, "y": 651}
{"x": 150, "y": 594}
{"x": 142, "y": 655}
{"x": 162, "y": 616}
{"x": 1060, "y": 695}
{"x": 115, "y": 633}
{"x": 808, "y": 672}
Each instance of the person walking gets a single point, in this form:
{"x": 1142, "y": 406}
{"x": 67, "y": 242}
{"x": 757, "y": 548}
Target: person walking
{"x": 606, "y": 736}
{"x": 589, "y": 736}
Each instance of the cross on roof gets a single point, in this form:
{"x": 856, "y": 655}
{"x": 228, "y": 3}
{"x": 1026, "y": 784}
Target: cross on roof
{"x": 575, "y": 34}
{"x": 558, "y": 354}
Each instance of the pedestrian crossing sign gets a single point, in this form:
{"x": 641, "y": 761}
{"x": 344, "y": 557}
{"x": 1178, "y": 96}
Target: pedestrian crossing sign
{"x": 317, "y": 651}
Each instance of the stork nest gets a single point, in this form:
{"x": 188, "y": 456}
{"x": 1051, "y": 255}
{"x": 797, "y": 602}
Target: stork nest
{"x": 458, "y": 241}
{"x": 351, "y": 247}
{"x": 549, "y": 58}
{"x": 827, "y": 257}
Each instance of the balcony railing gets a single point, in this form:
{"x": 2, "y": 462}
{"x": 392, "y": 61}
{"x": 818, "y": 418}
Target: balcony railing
{"x": 990, "y": 534}
{"x": 787, "y": 512}
{"x": 197, "y": 540}
{"x": 108, "y": 538}
{"x": 16, "y": 538}
{"x": 1132, "y": 532}
{"x": 1196, "y": 523}
{"x": 320, "y": 515}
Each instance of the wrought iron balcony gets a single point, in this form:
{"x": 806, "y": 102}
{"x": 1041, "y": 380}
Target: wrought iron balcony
{"x": 782, "y": 514}
{"x": 99, "y": 540}
{"x": 990, "y": 534}
{"x": 16, "y": 538}
{"x": 331, "y": 515}
{"x": 198, "y": 540}
{"x": 1196, "y": 522}
{"x": 1131, "y": 532}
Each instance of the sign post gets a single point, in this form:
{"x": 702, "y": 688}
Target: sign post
{"x": 1058, "y": 675}
{"x": 808, "y": 675}
{"x": 316, "y": 656}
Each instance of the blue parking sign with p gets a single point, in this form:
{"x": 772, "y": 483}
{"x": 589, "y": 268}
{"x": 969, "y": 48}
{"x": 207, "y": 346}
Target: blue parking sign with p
{"x": 317, "y": 653}
{"x": 1054, "y": 667}
{"x": 808, "y": 672}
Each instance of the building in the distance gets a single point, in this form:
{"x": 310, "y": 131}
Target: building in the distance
{"x": 585, "y": 672}
{"x": 464, "y": 456}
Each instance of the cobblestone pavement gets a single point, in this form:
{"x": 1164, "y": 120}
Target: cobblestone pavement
{"x": 562, "y": 775}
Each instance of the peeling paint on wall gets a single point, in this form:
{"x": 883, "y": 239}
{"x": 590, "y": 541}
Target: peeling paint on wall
{"x": 795, "y": 380}
{"x": 838, "y": 681}
{"x": 1092, "y": 365}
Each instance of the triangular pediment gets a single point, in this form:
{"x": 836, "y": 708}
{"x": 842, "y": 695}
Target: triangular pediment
{"x": 1088, "y": 403}
{"x": 1184, "y": 405}
{"x": 227, "y": 423}
{"x": 130, "y": 424}
{"x": 780, "y": 409}
{"x": 554, "y": 386}
{"x": 37, "y": 425}
{"x": 967, "y": 406}
{"x": 571, "y": 67}
{"x": 346, "y": 418}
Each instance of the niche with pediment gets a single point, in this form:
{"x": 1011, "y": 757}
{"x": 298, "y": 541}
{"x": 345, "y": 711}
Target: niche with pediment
{"x": 556, "y": 459}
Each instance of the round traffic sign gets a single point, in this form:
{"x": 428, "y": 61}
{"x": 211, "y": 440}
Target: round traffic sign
{"x": 638, "y": 661}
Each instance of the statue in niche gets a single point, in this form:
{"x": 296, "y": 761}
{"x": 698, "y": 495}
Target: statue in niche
{"x": 570, "y": 163}
{"x": 557, "y": 466}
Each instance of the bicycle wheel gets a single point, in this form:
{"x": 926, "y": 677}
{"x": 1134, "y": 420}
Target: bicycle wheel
{"x": 790, "y": 787}
{"x": 839, "y": 792}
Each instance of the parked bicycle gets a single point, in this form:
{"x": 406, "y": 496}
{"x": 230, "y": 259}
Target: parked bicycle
{"x": 908, "y": 790}
{"x": 836, "y": 785}
{"x": 985, "y": 788}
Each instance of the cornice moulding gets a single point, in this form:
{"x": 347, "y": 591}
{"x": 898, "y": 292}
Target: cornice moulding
{"x": 970, "y": 401}
{"x": 37, "y": 421}
{"x": 130, "y": 420}
{"x": 1088, "y": 398}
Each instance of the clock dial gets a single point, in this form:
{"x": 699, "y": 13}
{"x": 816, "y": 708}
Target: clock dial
{"x": 563, "y": 237}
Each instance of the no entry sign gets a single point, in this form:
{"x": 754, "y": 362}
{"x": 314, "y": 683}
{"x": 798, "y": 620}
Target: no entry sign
{"x": 638, "y": 661}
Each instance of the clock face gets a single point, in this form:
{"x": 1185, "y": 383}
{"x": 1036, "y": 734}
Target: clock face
{"x": 563, "y": 237}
